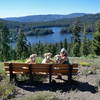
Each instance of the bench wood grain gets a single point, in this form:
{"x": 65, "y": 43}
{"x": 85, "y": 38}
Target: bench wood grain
{"x": 51, "y": 69}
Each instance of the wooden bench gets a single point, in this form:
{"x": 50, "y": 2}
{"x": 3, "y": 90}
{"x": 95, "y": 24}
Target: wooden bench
{"x": 50, "y": 69}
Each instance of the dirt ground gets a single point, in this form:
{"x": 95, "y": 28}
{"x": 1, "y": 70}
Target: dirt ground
{"x": 83, "y": 88}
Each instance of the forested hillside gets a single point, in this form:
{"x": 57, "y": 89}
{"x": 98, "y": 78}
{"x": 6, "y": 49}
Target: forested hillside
{"x": 37, "y": 28}
{"x": 43, "y": 18}
{"x": 89, "y": 20}
{"x": 78, "y": 47}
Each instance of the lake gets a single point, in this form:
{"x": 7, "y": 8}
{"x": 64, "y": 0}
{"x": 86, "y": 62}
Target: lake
{"x": 52, "y": 38}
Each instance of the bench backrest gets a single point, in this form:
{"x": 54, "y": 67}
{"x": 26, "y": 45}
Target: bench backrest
{"x": 43, "y": 68}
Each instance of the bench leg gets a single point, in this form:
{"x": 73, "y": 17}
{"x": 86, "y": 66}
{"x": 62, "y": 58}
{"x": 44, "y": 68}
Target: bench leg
{"x": 50, "y": 74}
{"x": 11, "y": 77}
{"x": 69, "y": 78}
{"x": 50, "y": 78}
{"x": 11, "y": 71}
{"x": 70, "y": 74}
{"x": 31, "y": 78}
{"x": 30, "y": 73}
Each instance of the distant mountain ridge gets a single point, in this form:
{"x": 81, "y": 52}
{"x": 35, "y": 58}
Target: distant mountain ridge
{"x": 89, "y": 20}
{"x": 43, "y": 18}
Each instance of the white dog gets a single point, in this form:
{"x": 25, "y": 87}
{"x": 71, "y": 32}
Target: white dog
{"x": 32, "y": 59}
{"x": 57, "y": 58}
{"x": 47, "y": 58}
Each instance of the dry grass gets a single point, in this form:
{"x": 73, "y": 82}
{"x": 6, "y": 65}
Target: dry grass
{"x": 42, "y": 95}
{"x": 7, "y": 89}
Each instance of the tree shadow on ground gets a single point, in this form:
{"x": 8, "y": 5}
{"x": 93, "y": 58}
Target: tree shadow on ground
{"x": 63, "y": 87}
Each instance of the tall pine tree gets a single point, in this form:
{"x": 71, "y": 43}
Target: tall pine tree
{"x": 65, "y": 44}
{"x": 76, "y": 39}
{"x": 96, "y": 40}
{"x": 21, "y": 46}
{"x": 4, "y": 44}
{"x": 98, "y": 26}
{"x": 84, "y": 50}
{"x": 96, "y": 43}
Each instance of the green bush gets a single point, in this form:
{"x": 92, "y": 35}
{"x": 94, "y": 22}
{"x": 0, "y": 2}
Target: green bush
{"x": 44, "y": 95}
{"x": 6, "y": 89}
{"x": 39, "y": 60}
{"x": 91, "y": 56}
{"x": 87, "y": 72}
{"x": 85, "y": 64}
{"x": 25, "y": 77}
{"x": 22, "y": 77}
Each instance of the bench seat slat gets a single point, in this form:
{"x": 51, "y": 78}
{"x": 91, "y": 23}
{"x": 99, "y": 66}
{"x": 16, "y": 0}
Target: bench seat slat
{"x": 17, "y": 64}
{"x": 65, "y": 65}
{"x": 65, "y": 71}
{"x": 20, "y": 68}
{"x": 43, "y": 70}
{"x": 7, "y": 72}
{"x": 40, "y": 65}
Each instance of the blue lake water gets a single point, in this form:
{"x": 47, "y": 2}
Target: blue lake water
{"x": 52, "y": 38}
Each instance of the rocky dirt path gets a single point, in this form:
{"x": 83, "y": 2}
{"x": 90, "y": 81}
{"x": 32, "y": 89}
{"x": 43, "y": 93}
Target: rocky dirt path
{"x": 82, "y": 89}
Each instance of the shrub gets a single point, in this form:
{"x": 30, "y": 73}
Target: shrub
{"x": 91, "y": 56}
{"x": 44, "y": 95}
{"x": 98, "y": 82}
{"x": 22, "y": 77}
{"x": 25, "y": 77}
{"x": 39, "y": 60}
{"x": 85, "y": 64}
{"x": 87, "y": 72}
{"x": 6, "y": 89}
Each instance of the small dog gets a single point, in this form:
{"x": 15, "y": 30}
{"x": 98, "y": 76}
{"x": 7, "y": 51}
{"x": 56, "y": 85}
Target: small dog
{"x": 32, "y": 59}
{"x": 47, "y": 58}
{"x": 57, "y": 58}
{"x": 58, "y": 61}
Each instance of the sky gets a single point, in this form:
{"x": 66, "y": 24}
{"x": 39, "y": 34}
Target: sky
{"x": 16, "y": 8}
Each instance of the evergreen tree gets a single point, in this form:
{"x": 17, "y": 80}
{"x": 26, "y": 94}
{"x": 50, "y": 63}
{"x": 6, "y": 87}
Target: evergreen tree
{"x": 84, "y": 50}
{"x": 57, "y": 48}
{"x": 76, "y": 50}
{"x": 40, "y": 48}
{"x": 29, "y": 48}
{"x": 91, "y": 47}
{"x": 76, "y": 39}
{"x": 13, "y": 55}
{"x": 61, "y": 45}
{"x": 65, "y": 44}
{"x": 54, "y": 49}
{"x": 98, "y": 26}
{"x": 75, "y": 32}
{"x": 96, "y": 43}
{"x": 1, "y": 25}
{"x": 96, "y": 40}
{"x": 69, "y": 49}
{"x": 21, "y": 46}
{"x": 35, "y": 48}
{"x": 4, "y": 44}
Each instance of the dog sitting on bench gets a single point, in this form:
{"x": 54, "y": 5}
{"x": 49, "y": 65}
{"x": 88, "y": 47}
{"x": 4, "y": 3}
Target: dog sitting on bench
{"x": 47, "y": 58}
{"x": 32, "y": 59}
{"x": 57, "y": 59}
